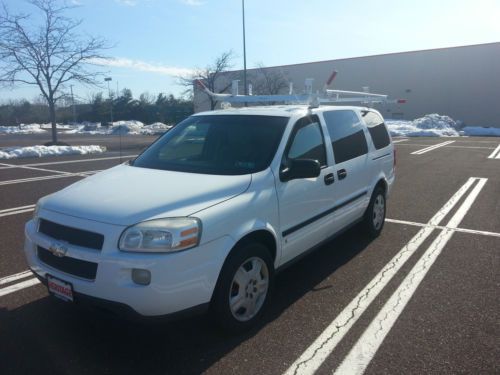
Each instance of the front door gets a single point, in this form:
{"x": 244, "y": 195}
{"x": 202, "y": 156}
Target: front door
{"x": 305, "y": 203}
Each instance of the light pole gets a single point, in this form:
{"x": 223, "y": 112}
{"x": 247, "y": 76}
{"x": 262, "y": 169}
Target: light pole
{"x": 244, "y": 50}
{"x": 108, "y": 79}
{"x": 73, "y": 102}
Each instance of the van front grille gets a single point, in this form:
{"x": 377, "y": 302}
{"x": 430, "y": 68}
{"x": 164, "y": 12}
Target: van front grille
{"x": 73, "y": 236}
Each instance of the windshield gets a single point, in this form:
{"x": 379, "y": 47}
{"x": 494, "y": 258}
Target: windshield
{"x": 217, "y": 144}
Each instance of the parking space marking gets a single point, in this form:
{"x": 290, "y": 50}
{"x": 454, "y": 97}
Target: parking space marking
{"x": 17, "y": 210}
{"x": 461, "y": 230}
{"x": 15, "y": 277}
{"x": 495, "y": 154}
{"x": 312, "y": 358}
{"x": 51, "y": 177}
{"x": 19, "y": 286}
{"x": 361, "y": 354}
{"x": 431, "y": 148}
{"x": 34, "y": 168}
{"x": 399, "y": 140}
{"x": 10, "y": 166}
{"x": 448, "y": 146}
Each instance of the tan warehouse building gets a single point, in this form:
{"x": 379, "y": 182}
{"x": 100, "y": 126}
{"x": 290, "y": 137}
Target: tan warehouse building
{"x": 461, "y": 82}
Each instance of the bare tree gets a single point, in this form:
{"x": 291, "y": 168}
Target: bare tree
{"x": 210, "y": 76}
{"x": 48, "y": 55}
{"x": 269, "y": 81}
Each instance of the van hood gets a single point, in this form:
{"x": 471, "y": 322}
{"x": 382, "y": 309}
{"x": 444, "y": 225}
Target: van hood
{"x": 126, "y": 195}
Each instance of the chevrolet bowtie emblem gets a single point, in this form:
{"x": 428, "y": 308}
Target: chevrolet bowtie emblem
{"x": 58, "y": 249}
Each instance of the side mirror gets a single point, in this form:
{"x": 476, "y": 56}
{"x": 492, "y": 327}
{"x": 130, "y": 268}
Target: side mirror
{"x": 300, "y": 168}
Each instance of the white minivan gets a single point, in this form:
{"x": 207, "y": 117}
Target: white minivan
{"x": 206, "y": 215}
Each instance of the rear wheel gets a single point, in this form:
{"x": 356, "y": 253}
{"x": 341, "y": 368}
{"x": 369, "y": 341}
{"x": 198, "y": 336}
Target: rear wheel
{"x": 244, "y": 288}
{"x": 375, "y": 213}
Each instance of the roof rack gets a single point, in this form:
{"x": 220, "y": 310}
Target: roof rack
{"x": 327, "y": 96}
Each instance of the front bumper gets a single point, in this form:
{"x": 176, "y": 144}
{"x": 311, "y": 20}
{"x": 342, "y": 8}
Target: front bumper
{"x": 179, "y": 281}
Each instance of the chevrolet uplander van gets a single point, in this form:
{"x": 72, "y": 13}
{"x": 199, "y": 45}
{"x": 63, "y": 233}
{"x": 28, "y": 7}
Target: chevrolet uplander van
{"x": 206, "y": 215}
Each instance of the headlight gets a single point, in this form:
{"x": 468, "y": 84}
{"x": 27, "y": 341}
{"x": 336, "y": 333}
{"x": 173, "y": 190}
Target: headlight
{"x": 162, "y": 235}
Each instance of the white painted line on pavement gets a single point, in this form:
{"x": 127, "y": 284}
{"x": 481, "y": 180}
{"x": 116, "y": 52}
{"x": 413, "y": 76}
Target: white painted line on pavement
{"x": 312, "y": 358}
{"x": 495, "y": 154}
{"x": 17, "y": 212}
{"x": 18, "y": 286}
{"x": 35, "y": 169}
{"x": 461, "y": 230}
{"x": 448, "y": 146}
{"x": 367, "y": 345}
{"x": 17, "y": 276}
{"x": 17, "y": 208}
{"x": 431, "y": 148}
{"x": 10, "y": 166}
{"x": 399, "y": 140}
{"x": 51, "y": 177}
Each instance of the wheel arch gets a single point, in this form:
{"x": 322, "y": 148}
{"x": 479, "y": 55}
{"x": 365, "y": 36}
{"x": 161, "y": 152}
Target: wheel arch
{"x": 261, "y": 236}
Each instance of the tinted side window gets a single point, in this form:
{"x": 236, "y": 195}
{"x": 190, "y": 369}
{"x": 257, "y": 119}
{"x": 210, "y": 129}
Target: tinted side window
{"x": 346, "y": 132}
{"x": 377, "y": 129}
{"x": 308, "y": 141}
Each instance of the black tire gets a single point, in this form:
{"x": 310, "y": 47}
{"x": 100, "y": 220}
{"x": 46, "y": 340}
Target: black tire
{"x": 227, "y": 286}
{"x": 372, "y": 223}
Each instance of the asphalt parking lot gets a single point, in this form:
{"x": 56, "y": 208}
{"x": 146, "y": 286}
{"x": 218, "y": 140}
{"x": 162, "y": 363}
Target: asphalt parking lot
{"x": 422, "y": 298}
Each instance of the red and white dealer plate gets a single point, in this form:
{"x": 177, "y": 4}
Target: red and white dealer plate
{"x": 60, "y": 288}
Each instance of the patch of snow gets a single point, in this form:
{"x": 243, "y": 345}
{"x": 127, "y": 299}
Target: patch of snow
{"x": 131, "y": 127}
{"x": 155, "y": 128}
{"x": 432, "y": 125}
{"x": 40, "y": 151}
{"x": 126, "y": 127}
{"x": 22, "y": 129}
{"x": 479, "y": 131}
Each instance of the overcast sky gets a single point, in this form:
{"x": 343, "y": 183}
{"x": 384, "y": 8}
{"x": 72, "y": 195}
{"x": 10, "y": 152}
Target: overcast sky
{"x": 157, "y": 40}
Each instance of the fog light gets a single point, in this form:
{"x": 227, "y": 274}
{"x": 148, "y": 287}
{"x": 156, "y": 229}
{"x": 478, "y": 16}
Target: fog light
{"x": 141, "y": 277}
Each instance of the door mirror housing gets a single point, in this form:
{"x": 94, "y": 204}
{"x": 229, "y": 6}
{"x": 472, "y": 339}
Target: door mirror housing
{"x": 300, "y": 168}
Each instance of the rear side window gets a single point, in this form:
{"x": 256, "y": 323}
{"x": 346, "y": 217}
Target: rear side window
{"x": 377, "y": 129}
{"x": 346, "y": 132}
{"x": 308, "y": 141}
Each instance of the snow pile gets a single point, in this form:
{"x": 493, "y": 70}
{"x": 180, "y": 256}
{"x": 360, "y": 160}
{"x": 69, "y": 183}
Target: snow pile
{"x": 432, "y": 125}
{"x": 155, "y": 128}
{"x": 126, "y": 127}
{"x": 58, "y": 126}
{"x": 22, "y": 129}
{"x": 480, "y": 131}
{"x": 39, "y": 151}
{"x": 132, "y": 127}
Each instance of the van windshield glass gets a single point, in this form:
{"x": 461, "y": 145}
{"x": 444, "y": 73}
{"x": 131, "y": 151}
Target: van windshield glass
{"x": 216, "y": 144}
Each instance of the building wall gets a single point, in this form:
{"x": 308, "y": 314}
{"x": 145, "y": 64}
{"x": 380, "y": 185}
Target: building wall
{"x": 461, "y": 82}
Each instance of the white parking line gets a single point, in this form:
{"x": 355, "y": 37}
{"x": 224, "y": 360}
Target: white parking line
{"x": 19, "y": 286}
{"x": 367, "y": 345}
{"x": 399, "y": 140}
{"x": 312, "y": 358}
{"x": 431, "y": 148}
{"x": 17, "y": 276}
{"x": 448, "y": 146}
{"x": 34, "y": 168}
{"x": 10, "y": 166}
{"x": 17, "y": 210}
{"x": 51, "y": 177}
{"x": 495, "y": 154}
{"x": 461, "y": 230}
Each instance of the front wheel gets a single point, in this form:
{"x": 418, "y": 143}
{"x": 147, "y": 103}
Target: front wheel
{"x": 375, "y": 213}
{"x": 244, "y": 288}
